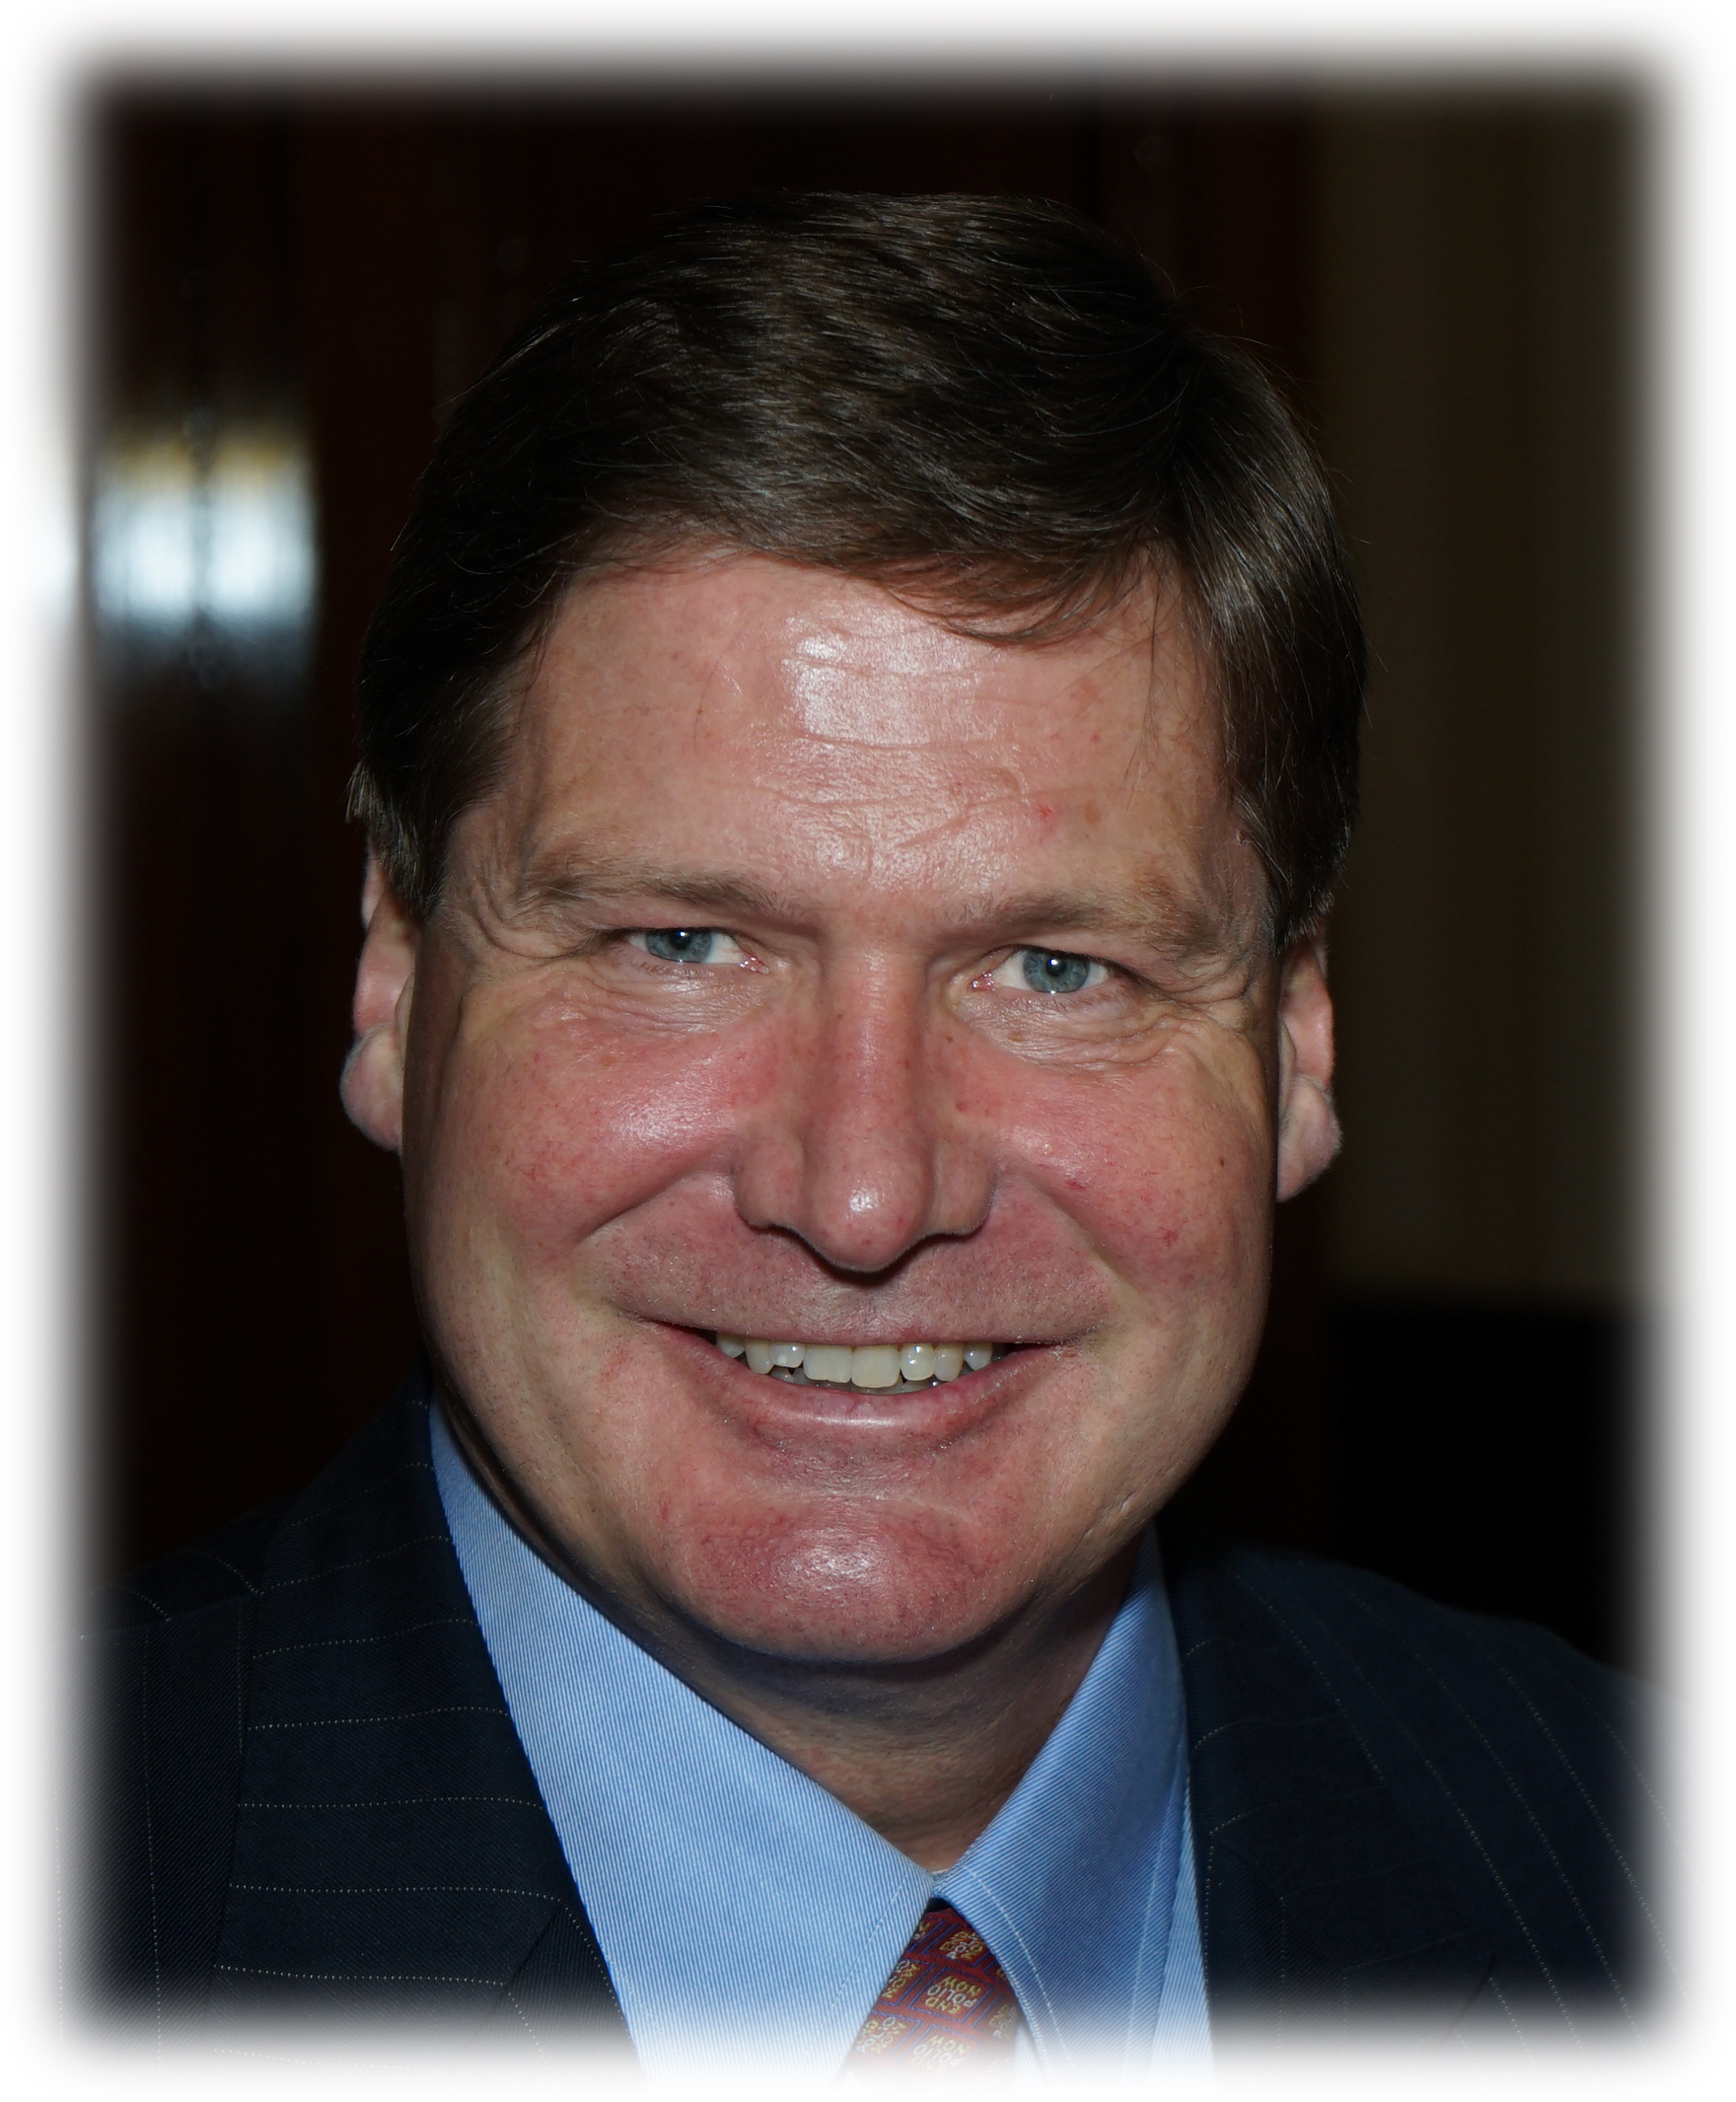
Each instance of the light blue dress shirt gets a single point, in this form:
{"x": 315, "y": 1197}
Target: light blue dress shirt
{"x": 718, "y": 1878}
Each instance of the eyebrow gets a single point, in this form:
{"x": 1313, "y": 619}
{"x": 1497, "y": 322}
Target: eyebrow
{"x": 572, "y": 879}
{"x": 1182, "y": 928}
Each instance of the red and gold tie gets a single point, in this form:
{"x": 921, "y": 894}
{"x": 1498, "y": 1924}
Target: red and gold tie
{"x": 946, "y": 2005}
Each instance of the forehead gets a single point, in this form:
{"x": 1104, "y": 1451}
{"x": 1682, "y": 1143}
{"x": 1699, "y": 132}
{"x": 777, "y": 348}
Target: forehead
{"x": 767, "y": 712}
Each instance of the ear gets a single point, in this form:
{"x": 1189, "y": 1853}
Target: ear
{"x": 372, "y": 1087}
{"x": 1308, "y": 1123}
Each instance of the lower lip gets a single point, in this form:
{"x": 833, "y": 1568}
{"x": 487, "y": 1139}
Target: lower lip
{"x": 935, "y": 1410}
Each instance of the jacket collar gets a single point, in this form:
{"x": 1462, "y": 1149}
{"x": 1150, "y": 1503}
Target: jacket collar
{"x": 392, "y": 1852}
{"x": 1316, "y": 1900}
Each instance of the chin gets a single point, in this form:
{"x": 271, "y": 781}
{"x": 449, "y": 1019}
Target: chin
{"x": 881, "y": 1589}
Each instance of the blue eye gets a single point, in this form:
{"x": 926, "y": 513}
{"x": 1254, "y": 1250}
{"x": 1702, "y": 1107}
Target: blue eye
{"x": 1048, "y": 971}
{"x": 680, "y": 945}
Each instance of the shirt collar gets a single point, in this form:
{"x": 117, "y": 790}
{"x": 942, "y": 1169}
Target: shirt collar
{"x": 741, "y": 1908}
{"x": 1073, "y": 1882}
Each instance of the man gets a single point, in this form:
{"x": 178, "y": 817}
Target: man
{"x": 857, "y": 749}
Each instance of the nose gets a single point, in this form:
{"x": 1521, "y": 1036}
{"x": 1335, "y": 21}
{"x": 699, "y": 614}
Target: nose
{"x": 865, "y": 1150}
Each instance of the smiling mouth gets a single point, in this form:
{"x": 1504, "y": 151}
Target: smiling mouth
{"x": 880, "y": 1368}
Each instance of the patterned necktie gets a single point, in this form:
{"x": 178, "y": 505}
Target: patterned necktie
{"x": 946, "y": 2007}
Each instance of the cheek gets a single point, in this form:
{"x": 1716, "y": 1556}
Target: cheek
{"x": 1167, "y": 1170}
{"x": 548, "y": 1127}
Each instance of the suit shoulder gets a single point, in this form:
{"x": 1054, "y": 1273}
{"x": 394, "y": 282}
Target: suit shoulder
{"x": 183, "y": 1657}
{"x": 352, "y": 1495}
{"x": 224, "y": 1567}
{"x": 1237, "y": 1585}
{"x": 1360, "y": 1753}
{"x": 1477, "y": 1725}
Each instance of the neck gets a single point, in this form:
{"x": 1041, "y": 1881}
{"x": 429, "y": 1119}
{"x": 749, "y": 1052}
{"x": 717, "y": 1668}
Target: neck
{"x": 924, "y": 1753}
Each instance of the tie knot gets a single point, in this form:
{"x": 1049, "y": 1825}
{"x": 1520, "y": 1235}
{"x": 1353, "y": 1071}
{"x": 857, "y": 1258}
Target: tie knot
{"x": 946, "y": 2007}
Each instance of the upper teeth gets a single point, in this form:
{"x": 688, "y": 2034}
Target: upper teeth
{"x": 875, "y": 1364}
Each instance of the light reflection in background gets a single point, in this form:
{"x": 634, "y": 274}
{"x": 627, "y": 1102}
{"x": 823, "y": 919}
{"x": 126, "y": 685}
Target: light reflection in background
{"x": 204, "y": 549}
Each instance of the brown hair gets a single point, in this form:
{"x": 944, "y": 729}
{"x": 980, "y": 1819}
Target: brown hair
{"x": 985, "y": 403}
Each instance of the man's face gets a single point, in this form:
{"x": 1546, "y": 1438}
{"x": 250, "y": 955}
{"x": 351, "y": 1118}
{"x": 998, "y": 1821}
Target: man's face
{"x": 819, "y": 976}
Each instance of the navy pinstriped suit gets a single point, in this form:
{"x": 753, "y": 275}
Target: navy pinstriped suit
{"x": 310, "y": 1798}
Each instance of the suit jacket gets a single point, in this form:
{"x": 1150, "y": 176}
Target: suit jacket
{"x": 310, "y": 1798}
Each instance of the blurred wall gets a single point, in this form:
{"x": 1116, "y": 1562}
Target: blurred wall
{"x": 1476, "y": 374}
{"x": 287, "y": 289}
{"x": 1479, "y": 303}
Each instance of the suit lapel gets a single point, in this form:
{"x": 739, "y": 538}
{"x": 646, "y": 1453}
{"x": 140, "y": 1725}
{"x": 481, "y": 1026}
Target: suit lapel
{"x": 393, "y": 1855}
{"x": 1316, "y": 1900}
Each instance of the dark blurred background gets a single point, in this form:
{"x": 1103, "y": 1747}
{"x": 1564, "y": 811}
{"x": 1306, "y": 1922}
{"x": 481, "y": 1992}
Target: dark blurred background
{"x": 287, "y": 285}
